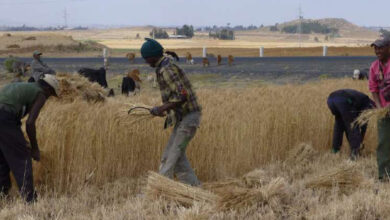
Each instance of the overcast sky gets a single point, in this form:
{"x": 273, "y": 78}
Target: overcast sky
{"x": 195, "y": 12}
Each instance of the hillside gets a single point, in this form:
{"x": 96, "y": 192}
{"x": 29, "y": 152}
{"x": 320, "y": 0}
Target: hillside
{"x": 346, "y": 28}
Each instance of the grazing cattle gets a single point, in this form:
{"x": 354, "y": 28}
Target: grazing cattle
{"x": 360, "y": 75}
{"x": 219, "y": 59}
{"x": 128, "y": 85}
{"x": 205, "y": 62}
{"x": 131, "y": 83}
{"x": 172, "y": 55}
{"x": 189, "y": 59}
{"x": 94, "y": 75}
{"x": 230, "y": 60}
{"x": 20, "y": 68}
{"x": 130, "y": 57}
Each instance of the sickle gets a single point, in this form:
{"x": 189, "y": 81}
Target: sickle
{"x": 138, "y": 107}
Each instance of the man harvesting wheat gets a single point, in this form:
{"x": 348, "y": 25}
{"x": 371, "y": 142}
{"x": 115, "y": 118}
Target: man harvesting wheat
{"x": 379, "y": 85}
{"x": 16, "y": 101}
{"x": 181, "y": 107}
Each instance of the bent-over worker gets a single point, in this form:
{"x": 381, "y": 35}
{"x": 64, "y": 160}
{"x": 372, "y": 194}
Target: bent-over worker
{"x": 346, "y": 105}
{"x": 16, "y": 101}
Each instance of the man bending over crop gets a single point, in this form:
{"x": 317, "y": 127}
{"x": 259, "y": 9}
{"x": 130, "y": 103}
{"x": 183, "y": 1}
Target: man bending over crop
{"x": 16, "y": 101}
{"x": 182, "y": 109}
{"x": 346, "y": 106}
{"x": 379, "y": 85}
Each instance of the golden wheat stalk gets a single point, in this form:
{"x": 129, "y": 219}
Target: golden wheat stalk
{"x": 159, "y": 186}
{"x": 243, "y": 197}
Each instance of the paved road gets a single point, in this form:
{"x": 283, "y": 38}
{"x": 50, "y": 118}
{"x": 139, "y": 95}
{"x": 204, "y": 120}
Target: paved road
{"x": 270, "y": 68}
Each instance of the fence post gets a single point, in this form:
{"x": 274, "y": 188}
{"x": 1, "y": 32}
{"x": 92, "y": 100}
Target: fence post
{"x": 325, "y": 51}
{"x": 105, "y": 58}
{"x": 261, "y": 51}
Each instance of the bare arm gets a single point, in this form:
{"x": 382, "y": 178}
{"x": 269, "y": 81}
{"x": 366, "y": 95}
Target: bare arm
{"x": 376, "y": 98}
{"x": 30, "y": 124}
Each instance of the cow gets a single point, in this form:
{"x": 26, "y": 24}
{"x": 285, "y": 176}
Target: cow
{"x": 219, "y": 59}
{"x": 230, "y": 60}
{"x": 205, "y": 62}
{"x": 131, "y": 83}
{"x": 20, "y": 68}
{"x": 130, "y": 57}
{"x": 189, "y": 58}
{"x": 95, "y": 75}
{"x": 360, "y": 75}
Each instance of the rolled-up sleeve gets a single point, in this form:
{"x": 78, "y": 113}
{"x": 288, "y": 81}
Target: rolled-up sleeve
{"x": 373, "y": 84}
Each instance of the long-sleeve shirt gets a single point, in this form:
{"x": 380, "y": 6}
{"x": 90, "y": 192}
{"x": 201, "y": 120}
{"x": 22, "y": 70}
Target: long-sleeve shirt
{"x": 175, "y": 87}
{"x": 375, "y": 81}
{"x": 38, "y": 68}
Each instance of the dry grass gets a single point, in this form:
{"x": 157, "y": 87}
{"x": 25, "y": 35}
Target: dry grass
{"x": 239, "y": 198}
{"x": 88, "y": 148}
{"x": 161, "y": 187}
{"x": 255, "y": 127}
{"x": 345, "y": 176}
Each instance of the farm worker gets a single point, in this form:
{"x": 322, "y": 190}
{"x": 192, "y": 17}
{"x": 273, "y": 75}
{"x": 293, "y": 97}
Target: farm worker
{"x": 182, "y": 109}
{"x": 379, "y": 85}
{"x": 16, "y": 101}
{"x": 346, "y": 105}
{"x": 38, "y": 67}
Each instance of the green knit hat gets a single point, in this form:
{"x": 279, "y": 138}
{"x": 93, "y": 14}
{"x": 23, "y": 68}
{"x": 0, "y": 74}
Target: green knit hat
{"x": 151, "y": 48}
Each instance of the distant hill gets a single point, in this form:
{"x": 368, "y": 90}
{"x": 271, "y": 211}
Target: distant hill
{"x": 344, "y": 27}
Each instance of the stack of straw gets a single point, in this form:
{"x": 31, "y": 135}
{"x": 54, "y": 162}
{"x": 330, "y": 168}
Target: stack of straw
{"x": 244, "y": 197}
{"x": 346, "y": 176}
{"x": 161, "y": 187}
{"x": 372, "y": 115}
{"x": 74, "y": 86}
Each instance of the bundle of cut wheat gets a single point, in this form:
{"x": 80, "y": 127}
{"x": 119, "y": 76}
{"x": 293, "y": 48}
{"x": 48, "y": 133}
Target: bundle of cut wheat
{"x": 371, "y": 115}
{"x": 346, "y": 176}
{"x": 255, "y": 178}
{"x": 160, "y": 186}
{"x": 74, "y": 86}
{"x": 244, "y": 197}
{"x": 302, "y": 153}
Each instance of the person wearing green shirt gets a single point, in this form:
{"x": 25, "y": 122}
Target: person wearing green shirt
{"x": 16, "y": 101}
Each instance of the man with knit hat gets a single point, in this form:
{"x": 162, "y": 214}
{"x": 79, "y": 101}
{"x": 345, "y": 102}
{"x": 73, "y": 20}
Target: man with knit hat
{"x": 379, "y": 85}
{"x": 16, "y": 101}
{"x": 181, "y": 108}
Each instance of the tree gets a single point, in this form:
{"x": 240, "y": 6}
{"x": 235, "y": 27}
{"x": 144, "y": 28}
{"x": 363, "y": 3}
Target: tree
{"x": 274, "y": 28}
{"x": 186, "y": 30}
{"x": 223, "y": 34}
{"x": 159, "y": 33}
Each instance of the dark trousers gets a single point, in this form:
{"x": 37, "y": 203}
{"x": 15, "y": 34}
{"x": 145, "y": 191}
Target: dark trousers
{"x": 383, "y": 150}
{"x": 15, "y": 157}
{"x": 345, "y": 114}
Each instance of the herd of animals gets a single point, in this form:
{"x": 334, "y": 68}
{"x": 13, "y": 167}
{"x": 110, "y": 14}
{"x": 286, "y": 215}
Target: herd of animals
{"x": 189, "y": 60}
{"x": 131, "y": 83}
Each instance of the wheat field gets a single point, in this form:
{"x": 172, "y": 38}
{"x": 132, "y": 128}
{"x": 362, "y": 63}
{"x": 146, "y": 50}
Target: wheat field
{"x": 95, "y": 158}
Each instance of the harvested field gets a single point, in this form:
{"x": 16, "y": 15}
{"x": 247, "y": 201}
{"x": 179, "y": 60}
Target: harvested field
{"x": 248, "y": 152}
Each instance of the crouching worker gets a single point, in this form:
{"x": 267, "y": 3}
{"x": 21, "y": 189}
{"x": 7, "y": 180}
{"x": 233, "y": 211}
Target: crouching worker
{"x": 346, "y": 105}
{"x": 182, "y": 109}
{"x": 16, "y": 101}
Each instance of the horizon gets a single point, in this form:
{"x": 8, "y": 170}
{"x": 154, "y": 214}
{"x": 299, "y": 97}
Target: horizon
{"x": 174, "y": 13}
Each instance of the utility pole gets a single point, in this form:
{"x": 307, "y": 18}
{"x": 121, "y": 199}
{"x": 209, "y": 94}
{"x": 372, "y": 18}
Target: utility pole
{"x": 300, "y": 17}
{"x": 65, "y": 17}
